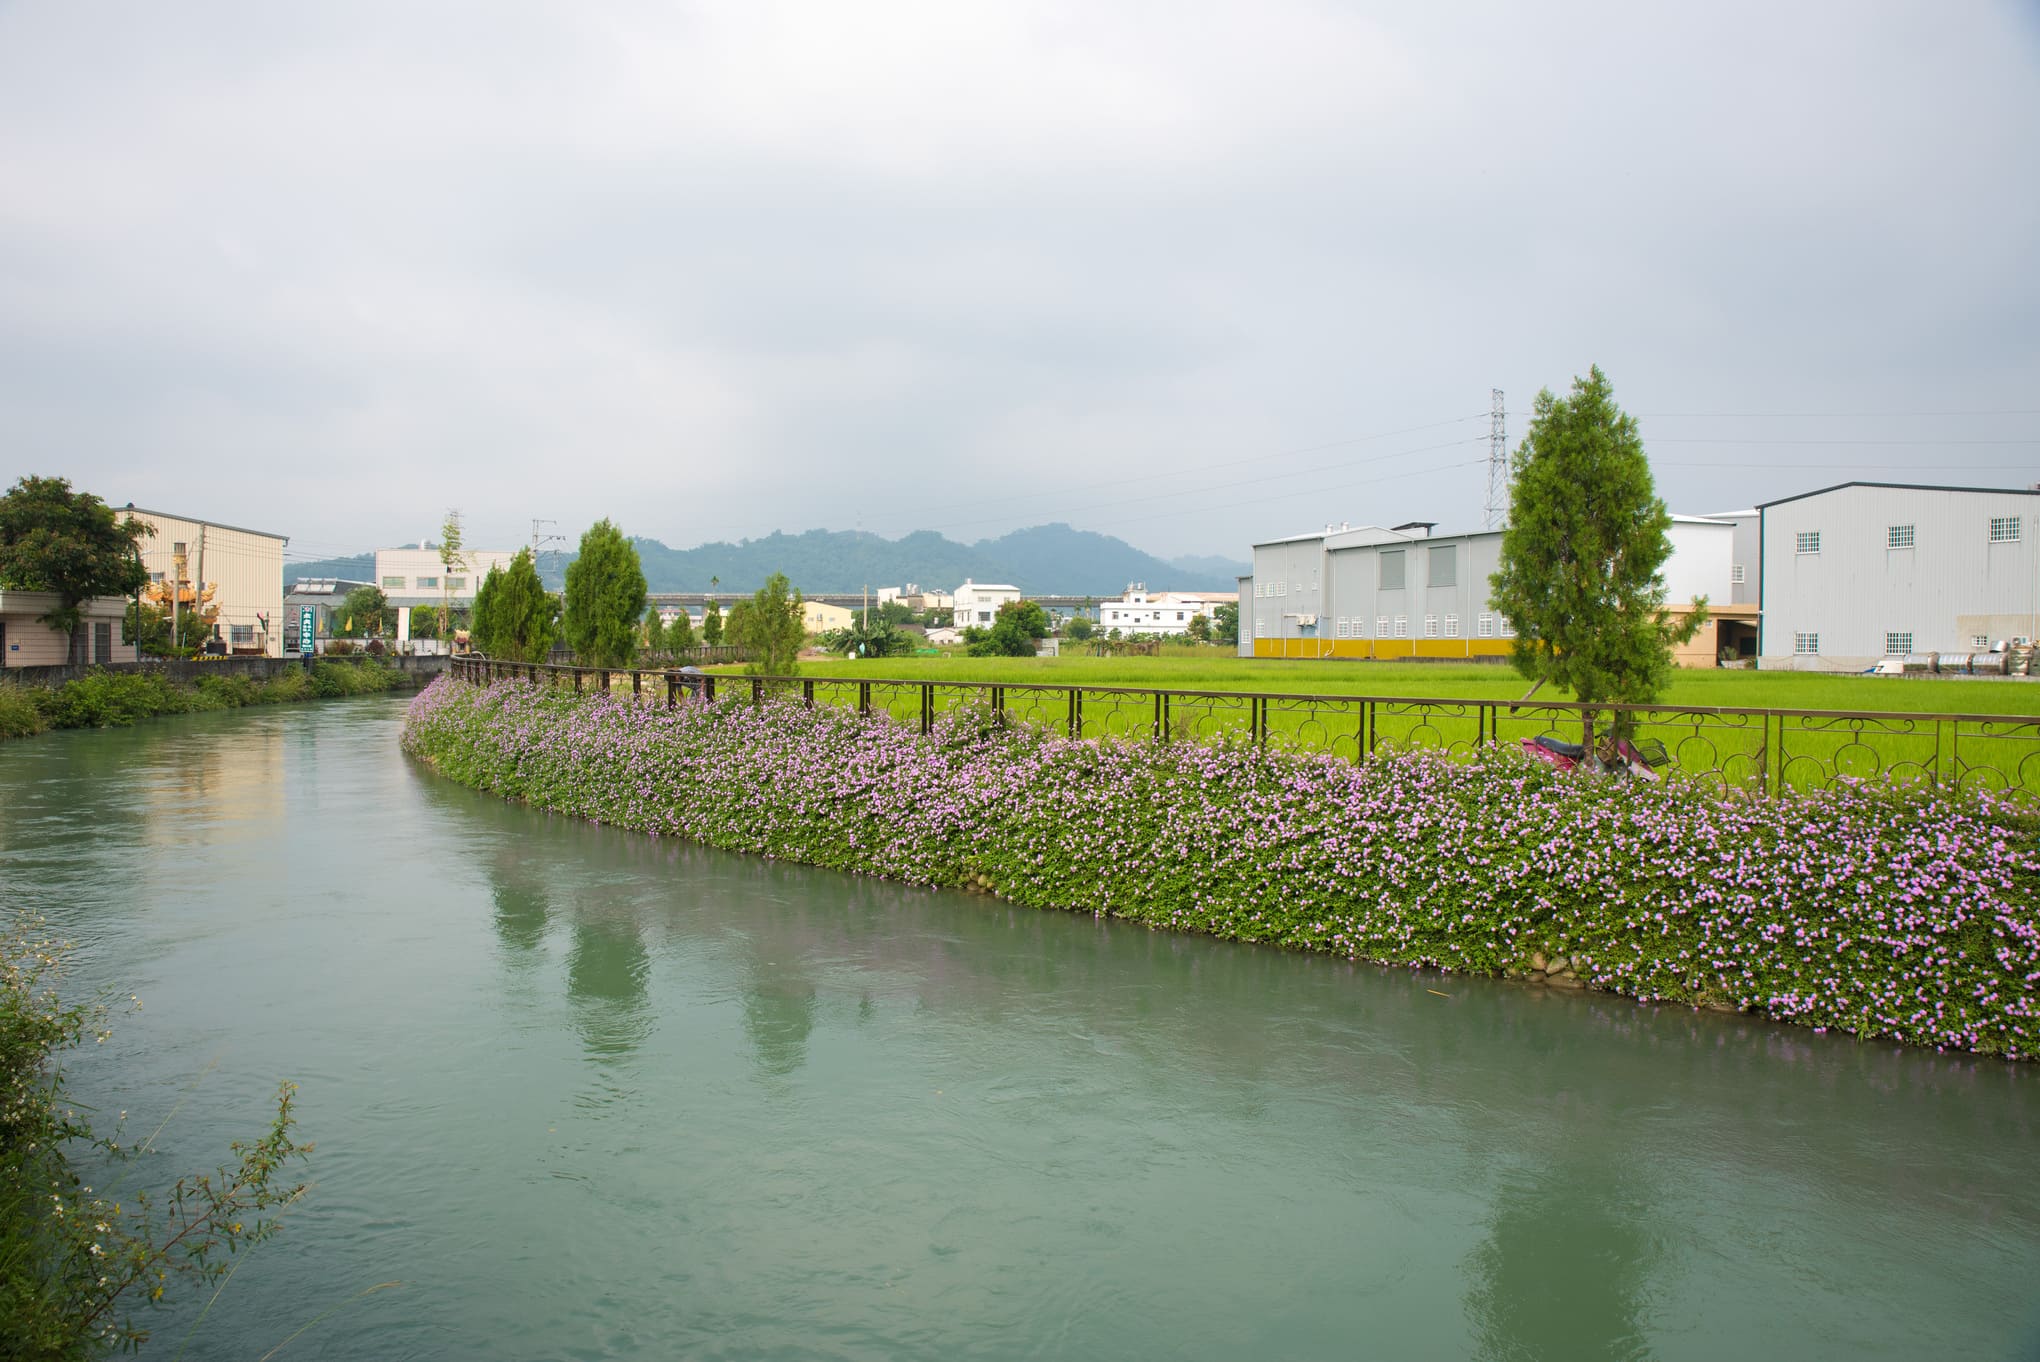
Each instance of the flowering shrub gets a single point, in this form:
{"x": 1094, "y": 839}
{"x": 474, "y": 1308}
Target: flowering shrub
{"x": 1905, "y": 912}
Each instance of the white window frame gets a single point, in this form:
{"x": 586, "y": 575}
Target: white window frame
{"x": 1502, "y": 626}
{"x": 1452, "y": 626}
{"x": 393, "y": 583}
{"x": 1806, "y": 645}
{"x": 1381, "y": 626}
{"x": 1430, "y": 626}
{"x": 2004, "y": 529}
{"x": 1402, "y": 626}
{"x": 1486, "y": 626}
{"x": 1806, "y": 543}
{"x": 1980, "y": 641}
{"x": 1899, "y": 536}
{"x": 1735, "y": 574}
{"x": 1897, "y": 643}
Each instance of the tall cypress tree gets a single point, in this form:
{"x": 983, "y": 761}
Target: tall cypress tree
{"x": 1580, "y": 576}
{"x": 605, "y": 598}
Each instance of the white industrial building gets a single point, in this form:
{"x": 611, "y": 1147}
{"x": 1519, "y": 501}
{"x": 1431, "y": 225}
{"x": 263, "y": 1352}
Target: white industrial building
{"x": 1144, "y": 612}
{"x": 1367, "y": 591}
{"x": 414, "y": 577}
{"x": 1862, "y": 571}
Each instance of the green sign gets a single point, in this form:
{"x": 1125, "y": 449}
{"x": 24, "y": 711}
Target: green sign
{"x": 305, "y": 628}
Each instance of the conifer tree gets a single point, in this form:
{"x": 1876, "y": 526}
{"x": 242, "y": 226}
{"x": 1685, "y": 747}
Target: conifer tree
{"x": 605, "y": 598}
{"x": 1580, "y": 577}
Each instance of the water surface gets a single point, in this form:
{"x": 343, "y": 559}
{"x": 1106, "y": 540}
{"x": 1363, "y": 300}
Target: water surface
{"x": 584, "y": 1094}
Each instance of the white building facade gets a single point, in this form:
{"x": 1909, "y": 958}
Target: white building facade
{"x": 1141, "y": 612}
{"x": 977, "y": 603}
{"x": 414, "y": 577}
{"x": 1862, "y": 571}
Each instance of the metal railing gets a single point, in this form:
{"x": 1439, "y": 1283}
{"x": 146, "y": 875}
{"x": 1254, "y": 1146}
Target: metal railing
{"x": 1757, "y": 750}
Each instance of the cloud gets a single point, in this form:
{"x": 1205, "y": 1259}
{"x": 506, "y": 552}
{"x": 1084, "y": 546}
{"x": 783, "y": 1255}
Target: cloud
{"x": 716, "y": 269}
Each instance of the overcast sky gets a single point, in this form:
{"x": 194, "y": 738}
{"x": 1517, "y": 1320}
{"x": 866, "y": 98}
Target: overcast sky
{"x": 1192, "y": 274}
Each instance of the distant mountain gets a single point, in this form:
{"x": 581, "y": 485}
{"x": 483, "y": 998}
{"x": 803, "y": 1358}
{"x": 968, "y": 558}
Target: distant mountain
{"x": 1049, "y": 560}
{"x": 1212, "y": 565}
{"x": 359, "y": 568}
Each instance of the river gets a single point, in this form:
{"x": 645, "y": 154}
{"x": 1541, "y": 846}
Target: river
{"x": 583, "y": 1094}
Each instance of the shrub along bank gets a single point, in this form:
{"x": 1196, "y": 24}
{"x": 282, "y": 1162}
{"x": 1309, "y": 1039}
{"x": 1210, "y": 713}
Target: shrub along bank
{"x": 1903, "y": 912}
{"x": 102, "y": 699}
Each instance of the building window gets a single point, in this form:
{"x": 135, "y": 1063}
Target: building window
{"x": 1392, "y": 570}
{"x": 1735, "y": 574}
{"x": 154, "y": 577}
{"x": 1402, "y": 626}
{"x": 1805, "y": 645}
{"x": 1508, "y": 629}
{"x": 1452, "y": 626}
{"x": 1897, "y": 645}
{"x": 1381, "y": 626}
{"x": 1445, "y": 565}
{"x": 1981, "y": 641}
{"x": 1486, "y": 626}
{"x": 1807, "y": 541}
{"x": 1430, "y": 626}
{"x": 243, "y": 634}
{"x": 1898, "y": 536}
{"x": 428, "y": 584}
{"x": 393, "y": 583}
{"x": 2004, "y": 529}
{"x": 456, "y": 583}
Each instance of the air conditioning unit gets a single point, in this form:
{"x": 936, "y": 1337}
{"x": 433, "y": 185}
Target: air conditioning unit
{"x": 1307, "y": 621}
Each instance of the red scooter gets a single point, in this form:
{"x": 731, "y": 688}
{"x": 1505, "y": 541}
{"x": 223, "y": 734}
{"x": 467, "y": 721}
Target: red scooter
{"x": 1619, "y": 756}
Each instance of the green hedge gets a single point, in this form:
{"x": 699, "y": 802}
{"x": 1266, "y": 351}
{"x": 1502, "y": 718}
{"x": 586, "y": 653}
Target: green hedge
{"x": 1885, "y": 910}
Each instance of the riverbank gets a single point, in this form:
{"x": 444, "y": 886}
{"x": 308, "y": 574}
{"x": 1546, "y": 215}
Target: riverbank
{"x": 115, "y": 698}
{"x": 1901, "y": 912}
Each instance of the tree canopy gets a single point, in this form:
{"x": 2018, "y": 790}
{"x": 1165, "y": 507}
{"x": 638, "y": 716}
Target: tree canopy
{"x": 56, "y": 540}
{"x": 365, "y": 611}
{"x": 1225, "y": 623}
{"x": 1580, "y": 576}
{"x": 605, "y": 598}
{"x": 513, "y": 616}
{"x": 772, "y": 626}
{"x": 1013, "y": 633}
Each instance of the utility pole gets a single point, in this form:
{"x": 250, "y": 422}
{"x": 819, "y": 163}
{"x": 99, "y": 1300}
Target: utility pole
{"x": 544, "y": 534}
{"x": 1497, "y": 461}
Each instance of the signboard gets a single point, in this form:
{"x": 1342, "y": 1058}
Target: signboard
{"x": 305, "y": 627}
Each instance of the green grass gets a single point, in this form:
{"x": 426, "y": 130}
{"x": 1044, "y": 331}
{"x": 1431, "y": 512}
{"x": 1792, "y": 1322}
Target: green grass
{"x": 1736, "y": 689}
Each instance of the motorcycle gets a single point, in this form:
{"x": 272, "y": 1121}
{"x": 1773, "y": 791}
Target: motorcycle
{"x": 1620, "y": 757}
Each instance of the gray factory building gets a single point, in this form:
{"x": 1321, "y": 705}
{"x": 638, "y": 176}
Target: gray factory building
{"x": 1862, "y": 571}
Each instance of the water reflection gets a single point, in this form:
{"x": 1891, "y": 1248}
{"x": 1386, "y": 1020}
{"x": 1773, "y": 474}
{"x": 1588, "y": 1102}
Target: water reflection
{"x": 608, "y": 970}
{"x": 1563, "y": 1271}
{"x": 523, "y": 907}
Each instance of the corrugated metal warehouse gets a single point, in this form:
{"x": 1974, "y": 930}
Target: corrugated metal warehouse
{"x": 1862, "y": 571}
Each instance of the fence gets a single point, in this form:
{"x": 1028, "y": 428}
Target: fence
{"x": 1763, "y": 750}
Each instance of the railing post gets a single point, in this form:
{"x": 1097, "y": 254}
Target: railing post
{"x": 807, "y": 694}
{"x": 757, "y": 690}
{"x": 1369, "y": 729}
{"x": 672, "y": 690}
{"x": 708, "y": 687}
{"x": 864, "y": 698}
{"x": 1774, "y": 754}
{"x": 999, "y": 704}
{"x": 1161, "y": 716}
{"x": 1076, "y": 707}
{"x": 927, "y": 707}
{"x": 1257, "y": 710}
{"x": 636, "y": 682}
{"x": 577, "y": 680}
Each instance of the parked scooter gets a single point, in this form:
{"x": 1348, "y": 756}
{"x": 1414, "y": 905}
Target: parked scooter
{"x": 1620, "y": 757}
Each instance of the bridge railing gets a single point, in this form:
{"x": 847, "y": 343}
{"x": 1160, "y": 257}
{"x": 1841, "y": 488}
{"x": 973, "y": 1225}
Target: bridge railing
{"x": 1756, "y": 750}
